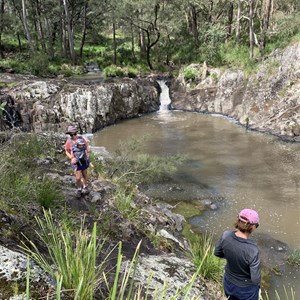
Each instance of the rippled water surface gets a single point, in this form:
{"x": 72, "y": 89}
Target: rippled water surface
{"x": 227, "y": 165}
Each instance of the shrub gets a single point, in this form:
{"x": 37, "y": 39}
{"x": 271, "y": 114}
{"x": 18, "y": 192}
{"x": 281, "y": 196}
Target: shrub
{"x": 47, "y": 193}
{"x": 124, "y": 204}
{"x": 132, "y": 72}
{"x": 38, "y": 64}
{"x": 190, "y": 73}
{"x": 238, "y": 56}
{"x": 129, "y": 165}
{"x": 113, "y": 71}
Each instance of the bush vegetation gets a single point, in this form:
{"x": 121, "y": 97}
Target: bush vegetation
{"x": 73, "y": 263}
{"x": 177, "y": 40}
{"x": 202, "y": 252}
{"x": 294, "y": 258}
{"x": 22, "y": 179}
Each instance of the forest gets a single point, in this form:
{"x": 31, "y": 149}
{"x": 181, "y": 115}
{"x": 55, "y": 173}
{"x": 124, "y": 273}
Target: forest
{"x": 132, "y": 37}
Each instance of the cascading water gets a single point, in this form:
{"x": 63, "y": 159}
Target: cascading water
{"x": 164, "y": 97}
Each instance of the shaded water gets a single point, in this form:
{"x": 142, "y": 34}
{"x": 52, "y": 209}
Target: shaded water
{"x": 226, "y": 165}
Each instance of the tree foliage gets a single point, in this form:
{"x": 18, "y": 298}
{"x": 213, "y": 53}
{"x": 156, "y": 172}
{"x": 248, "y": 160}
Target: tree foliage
{"x": 154, "y": 33}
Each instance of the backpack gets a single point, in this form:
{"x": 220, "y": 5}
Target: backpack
{"x": 80, "y": 154}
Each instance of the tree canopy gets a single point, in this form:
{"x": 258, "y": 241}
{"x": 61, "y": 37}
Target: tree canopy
{"x": 153, "y": 34}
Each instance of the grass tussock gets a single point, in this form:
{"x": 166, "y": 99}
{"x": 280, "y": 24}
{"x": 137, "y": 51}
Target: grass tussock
{"x": 294, "y": 258}
{"x": 202, "y": 253}
{"x": 73, "y": 255}
{"x": 72, "y": 261}
{"x": 281, "y": 295}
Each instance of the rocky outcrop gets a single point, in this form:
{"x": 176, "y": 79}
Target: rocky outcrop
{"x": 51, "y": 104}
{"x": 268, "y": 100}
{"x": 13, "y": 270}
{"x": 167, "y": 277}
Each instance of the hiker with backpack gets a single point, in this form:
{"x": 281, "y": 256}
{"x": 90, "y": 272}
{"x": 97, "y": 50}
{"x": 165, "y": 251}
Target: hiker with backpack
{"x": 77, "y": 150}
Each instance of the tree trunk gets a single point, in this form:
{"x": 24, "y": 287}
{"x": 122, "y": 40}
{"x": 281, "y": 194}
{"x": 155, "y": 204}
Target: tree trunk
{"x": 70, "y": 33}
{"x": 51, "y": 36}
{"x": 40, "y": 23}
{"x": 194, "y": 24}
{"x": 19, "y": 42}
{"x": 157, "y": 32}
{"x": 83, "y": 29}
{"x": 238, "y": 23}
{"x": 251, "y": 28}
{"x": 27, "y": 33}
{"x": 1, "y": 27}
{"x": 114, "y": 43}
{"x": 229, "y": 22}
{"x": 36, "y": 34}
{"x": 132, "y": 42}
{"x": 61, "y": 30}
{"x": 265, "y": 25}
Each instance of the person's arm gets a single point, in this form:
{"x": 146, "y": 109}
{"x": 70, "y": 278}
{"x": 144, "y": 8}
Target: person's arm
{"x": 218, "y": 248}
{"x": 88, "y": 149}
{"x": 68, "y": 150}
{"x": 255, "y": 270}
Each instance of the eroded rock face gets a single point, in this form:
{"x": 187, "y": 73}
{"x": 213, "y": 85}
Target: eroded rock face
{"x": 266, "y": 101}
{"x": 169, "y": 274}
{"x": 53, "y": 104}
{"x": 13, "y": 270}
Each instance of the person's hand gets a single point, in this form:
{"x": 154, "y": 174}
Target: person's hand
{"x": 73, "y": 160}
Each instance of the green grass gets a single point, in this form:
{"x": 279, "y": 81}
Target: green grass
{"x": 22, "y": 182}
{"x": 125, "y": 205}
{"x": 202, "y": 252}
{"x": 73, "y": 262}
{"x": 48, "y": 193}
{"x": 294, "y": 258}
{"x": 237, "y": 56}
{"x": 73, "y": 255}
{"x": 284, "y": 295}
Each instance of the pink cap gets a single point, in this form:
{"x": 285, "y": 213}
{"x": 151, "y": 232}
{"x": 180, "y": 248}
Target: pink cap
{"x": 249, "y": 215}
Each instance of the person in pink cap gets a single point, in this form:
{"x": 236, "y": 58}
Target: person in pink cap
{"x": 80, "y": 169}
{"x": 242, "y": 271}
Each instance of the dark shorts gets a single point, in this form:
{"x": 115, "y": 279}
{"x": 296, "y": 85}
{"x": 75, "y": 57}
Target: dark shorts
{"x": 80, "y": 167}
{"x": 240, "y": 293}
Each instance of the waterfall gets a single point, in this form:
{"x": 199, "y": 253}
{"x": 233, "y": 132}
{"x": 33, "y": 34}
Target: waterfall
{"x": 164, "y": 97}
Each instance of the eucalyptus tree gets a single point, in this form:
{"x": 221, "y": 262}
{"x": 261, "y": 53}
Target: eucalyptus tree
{"x": 1, "y": 27}
{"x": 145, "y": 16}
{"x": 251, "y": 27}
{"x": 26, "y": 28}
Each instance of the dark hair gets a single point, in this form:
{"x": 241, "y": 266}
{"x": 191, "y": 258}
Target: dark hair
{"x": 244, "y": 227}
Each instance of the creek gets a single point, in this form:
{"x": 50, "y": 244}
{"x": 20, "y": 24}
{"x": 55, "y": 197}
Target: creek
{"x": 228, "y": 168}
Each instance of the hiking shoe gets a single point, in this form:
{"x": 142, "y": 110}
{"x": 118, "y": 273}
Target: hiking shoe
{"x": 85, "y": 190}
{"x": 78, "y": 193}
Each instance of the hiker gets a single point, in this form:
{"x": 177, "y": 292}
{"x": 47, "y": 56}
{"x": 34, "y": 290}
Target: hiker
{"x": 77, "y": 149}
{"x": 242, "y": 271}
